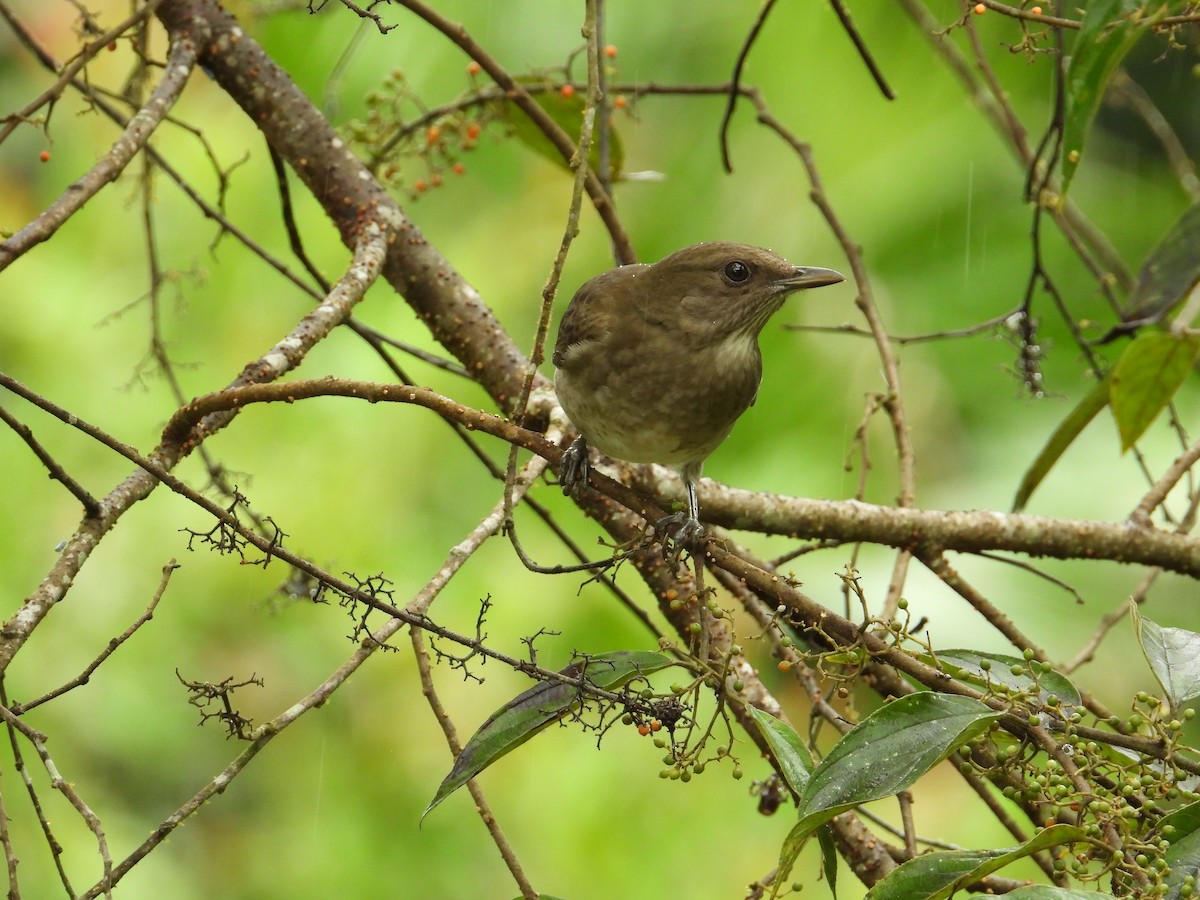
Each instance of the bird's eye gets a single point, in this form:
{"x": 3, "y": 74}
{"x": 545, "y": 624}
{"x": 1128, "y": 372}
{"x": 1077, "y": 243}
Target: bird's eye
{"x": 736, "y": 271}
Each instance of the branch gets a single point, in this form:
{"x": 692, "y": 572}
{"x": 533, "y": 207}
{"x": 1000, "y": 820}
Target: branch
{"x": 899, "y": 527}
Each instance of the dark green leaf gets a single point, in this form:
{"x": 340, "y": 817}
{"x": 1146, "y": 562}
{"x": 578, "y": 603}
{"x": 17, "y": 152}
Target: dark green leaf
{"x": 795, "y": 762}
{"x": 1108, "y": 31}
{"x": 1170, "y": 271}
{"x": 540, "y": 706}
{"x": 1182, "y": 829}
{"x": 938, "y": 875}
{"x": 883, "y": 755}
{"x": 1146, "y": 377}
{"x": 829, "y": 857}
{"x": 1049, "y": 892}
{"x": 1173, "y": 655}
{"x": 1070, "y": 428}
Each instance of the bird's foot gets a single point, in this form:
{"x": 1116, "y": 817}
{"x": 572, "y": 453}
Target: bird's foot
{"x": 574, "y": 468}
{"x": 678, "y": 532}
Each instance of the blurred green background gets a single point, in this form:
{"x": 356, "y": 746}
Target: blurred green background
{"x": 923, "y": 183}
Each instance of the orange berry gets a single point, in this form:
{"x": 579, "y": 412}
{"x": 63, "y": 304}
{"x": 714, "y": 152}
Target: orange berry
{"x": 643, "y": 730}
{"x": 458, "y": 168}
{"x": 473, "y": 68}
{"x": 433, "y": 134}
{"x": 44, "y": 156}
{"x": 980, "y": 9}
{"x": 567, "y": 90}
{"x": 655, "y": 725}
{"x": 620, "y": 102}
{"x": 785, "y": 665}
{"x": 610, "y": 51}
{"x": 472, "y": 131}
{"x": 112, "y": 45}
{"x": 1037, "y": 10}
{"x": 420, "y": 187}
{"x": 436, "y": 180}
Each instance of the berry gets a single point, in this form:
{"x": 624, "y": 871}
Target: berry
{"x": 980, "y": 9}
{"x": 610, "y": 51}
{"x": 567, "y": 90}
{"x": 458, "y": 168}
{"x": 473, "y": 68}
{"x": 44, "y": 156}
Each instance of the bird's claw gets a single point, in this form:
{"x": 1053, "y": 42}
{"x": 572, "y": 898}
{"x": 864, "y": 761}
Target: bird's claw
{"x": 678, "y": 532}
{"x": 574, "y": 468}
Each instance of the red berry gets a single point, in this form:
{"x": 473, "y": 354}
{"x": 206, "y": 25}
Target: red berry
{"x": 458, "y": 168}
{"x": 420, "y": 187}
{"x": 567, "y": 90}
{"x": 44, "y": 156}
{"x": 472, "y": 131}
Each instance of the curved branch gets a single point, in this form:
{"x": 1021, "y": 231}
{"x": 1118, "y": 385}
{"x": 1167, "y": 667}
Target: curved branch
{"x": 904, "y": 528}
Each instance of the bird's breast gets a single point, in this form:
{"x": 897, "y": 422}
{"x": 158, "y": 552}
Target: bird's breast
{"x": 670, "y": 405}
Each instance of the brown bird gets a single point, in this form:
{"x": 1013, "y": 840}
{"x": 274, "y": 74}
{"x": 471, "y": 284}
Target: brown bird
{"x": 654, "y": 363}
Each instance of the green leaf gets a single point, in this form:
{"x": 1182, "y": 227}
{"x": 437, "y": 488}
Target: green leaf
{"x": 938, "y": 875}
{"x": 567, "y": 112}
{"x": 882, "y": 755}
{"x": 1182, "y": 829}
{"x": 1170, "y": 271}
{"x": 967, "y": 665}
{"x": 1146, "y": 377}
{"x": 1049, "y": 892}
{"x": 795, "y": 762}
{"x": 1173, "y": 655}
{"x": 1109, "y": 30}
{"x": 1070, "y": 428}
{"x": 829, "y": 857}
{"x": 537, "y": 708}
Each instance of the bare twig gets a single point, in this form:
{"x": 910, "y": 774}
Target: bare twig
{"x": 137, "y": 133}
{"x": 109, "y": 649}
{"x": 90, "y": 505}
{"x": 481, "y": 805}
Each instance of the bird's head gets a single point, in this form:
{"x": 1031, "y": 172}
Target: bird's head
{"x": 721, "y": 289}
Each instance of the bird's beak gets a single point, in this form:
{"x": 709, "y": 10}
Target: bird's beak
{"x": 808, "y": 277}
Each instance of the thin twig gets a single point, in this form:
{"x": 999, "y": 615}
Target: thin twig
{"x": 735, "y": 81}
{"x": 137, "y": 133}
{"x": 91, "y": 506}
{"x": 481, "y": 805}
{"x": 109, "y": 649}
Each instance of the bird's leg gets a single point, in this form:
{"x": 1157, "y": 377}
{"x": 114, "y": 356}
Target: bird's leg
{"x": 574, "y": 468}
{"x": 685, "y": 531}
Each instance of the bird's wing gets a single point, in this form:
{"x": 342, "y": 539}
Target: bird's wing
{"x": 590, "y": 314}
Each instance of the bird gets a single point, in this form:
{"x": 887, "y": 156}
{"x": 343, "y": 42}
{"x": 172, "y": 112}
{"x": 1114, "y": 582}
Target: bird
{"x": 655, "y": 362}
